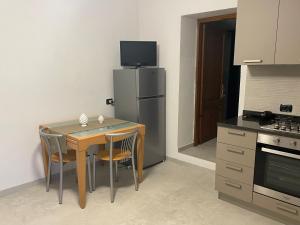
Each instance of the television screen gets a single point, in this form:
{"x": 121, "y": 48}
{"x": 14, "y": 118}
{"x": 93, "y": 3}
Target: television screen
{"x": 138, "y": 53}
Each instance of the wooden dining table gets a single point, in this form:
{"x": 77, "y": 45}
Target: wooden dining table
{"x": 79, "y": 139}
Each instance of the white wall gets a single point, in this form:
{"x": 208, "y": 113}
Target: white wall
{"x": 187, "y": 81}
{"x": 160, "y": 20}
{"x": 56, "y": 61}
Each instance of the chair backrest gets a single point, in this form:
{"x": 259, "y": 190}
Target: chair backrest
{"x": 52, "y": 142}
{"x": 127, "y": 141}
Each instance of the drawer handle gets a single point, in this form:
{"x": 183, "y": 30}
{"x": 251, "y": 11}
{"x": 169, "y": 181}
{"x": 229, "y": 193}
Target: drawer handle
{"x": 285, "y": 209}
{"x": 237, "y": 186}
{"x": 237, "y": 133}
{"x": 240, "y": 152}
{"x": 235, "y": 168}
{"x": 253, "y": 61}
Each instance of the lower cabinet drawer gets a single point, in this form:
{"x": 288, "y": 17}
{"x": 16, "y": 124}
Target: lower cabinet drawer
{"x": 235, "y": 171}
{"x": 236, "y": 154}
{"x": 237, "y": 137}
{"x": 234, "y": 188}
{"x": 279, "y": 207}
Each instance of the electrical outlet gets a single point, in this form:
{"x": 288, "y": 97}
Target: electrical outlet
{"x": 109, "y": 101}
{"x": 286, "y": 108}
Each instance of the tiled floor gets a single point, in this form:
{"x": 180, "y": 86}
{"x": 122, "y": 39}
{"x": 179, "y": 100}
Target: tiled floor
{"x": 206, "y": 151}
{"x": 172, "y": 193}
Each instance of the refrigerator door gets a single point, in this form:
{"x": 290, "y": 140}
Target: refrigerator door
{"x": 125, "y": 95}
{"x": 151, "y": 82}
{"x": 152, "y": 113}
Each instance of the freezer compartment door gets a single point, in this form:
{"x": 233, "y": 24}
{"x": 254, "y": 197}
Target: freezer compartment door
{"x": 125, "y": 95}
{"x": 151, "y": 82}
{"x": 152, "y": 113}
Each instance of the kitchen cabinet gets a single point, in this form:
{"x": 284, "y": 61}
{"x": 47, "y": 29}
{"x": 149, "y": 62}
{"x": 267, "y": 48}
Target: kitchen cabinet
{"x": 288, "y": 33}
{"x": 267, "y": 32}
{"x": 235, "y": 162}
{"x": 256, "y": 32}
{"x": 236, "y": 157}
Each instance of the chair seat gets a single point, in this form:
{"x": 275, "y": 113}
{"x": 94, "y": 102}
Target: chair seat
{"x": 70, "y": 156}
{"x": 117, "y": 155}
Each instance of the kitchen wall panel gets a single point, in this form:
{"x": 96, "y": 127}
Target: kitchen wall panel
{"x": 269, "y": 86}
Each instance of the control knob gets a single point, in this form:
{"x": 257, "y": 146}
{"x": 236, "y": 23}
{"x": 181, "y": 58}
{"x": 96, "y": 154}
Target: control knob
{"x": 277, "y": 140}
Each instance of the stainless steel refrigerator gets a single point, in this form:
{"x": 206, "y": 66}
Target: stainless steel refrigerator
{"x": 139, "y": 96}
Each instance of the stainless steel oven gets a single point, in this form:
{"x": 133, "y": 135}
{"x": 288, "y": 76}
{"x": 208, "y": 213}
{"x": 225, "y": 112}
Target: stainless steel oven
{"x": 277, "y": 168}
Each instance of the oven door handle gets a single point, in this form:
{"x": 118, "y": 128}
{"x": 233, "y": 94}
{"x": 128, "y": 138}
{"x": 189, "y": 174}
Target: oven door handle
{"x": 275, "y": 152}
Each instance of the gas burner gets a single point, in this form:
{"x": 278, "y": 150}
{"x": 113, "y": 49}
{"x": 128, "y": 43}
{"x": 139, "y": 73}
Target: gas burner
{"x": 276, "y": 126}
{"x": 285, "y": 124}
{"x": 283, "y": 127}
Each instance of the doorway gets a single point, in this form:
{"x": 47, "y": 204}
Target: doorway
{"x": 217, "y": 82}
{"x": 217, "y": 79}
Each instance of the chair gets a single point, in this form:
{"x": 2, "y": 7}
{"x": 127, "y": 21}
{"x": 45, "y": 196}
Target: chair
{"x": 54, "y": 149}
{"x": 123, "y": 153}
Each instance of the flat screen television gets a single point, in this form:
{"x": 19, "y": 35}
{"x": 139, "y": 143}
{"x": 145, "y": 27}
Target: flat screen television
{"x": 138, "y": 53}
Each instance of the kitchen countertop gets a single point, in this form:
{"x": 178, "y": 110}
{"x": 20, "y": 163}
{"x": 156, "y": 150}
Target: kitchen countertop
{"x": 253, "y": 125}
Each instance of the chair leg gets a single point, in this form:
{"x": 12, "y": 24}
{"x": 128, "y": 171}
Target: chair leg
{"x": 94, "y": 172}
{"x": 134, "y": 174}
{"x": 117, "y": 174}
{"x": 89, "y": 173}
{"x": 111, "y": 181}
{"x": 48, "y": 176}
{"x": 60, "y": 183}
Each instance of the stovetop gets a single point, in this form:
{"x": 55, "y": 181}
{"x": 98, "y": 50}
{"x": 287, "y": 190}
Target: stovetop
{"x": 283, "y": 123}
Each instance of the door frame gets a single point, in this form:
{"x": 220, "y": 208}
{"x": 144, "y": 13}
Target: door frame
{"x": 199, "y": 71}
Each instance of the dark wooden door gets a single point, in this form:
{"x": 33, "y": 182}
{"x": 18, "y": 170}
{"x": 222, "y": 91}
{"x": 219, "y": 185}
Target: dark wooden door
{"x": 211, "y": 95}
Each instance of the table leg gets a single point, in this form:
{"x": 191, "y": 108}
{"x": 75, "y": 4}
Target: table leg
{"x": 140, "y": 156}
{"x": 45, "y": 157}
{"x": 81, "y": 175}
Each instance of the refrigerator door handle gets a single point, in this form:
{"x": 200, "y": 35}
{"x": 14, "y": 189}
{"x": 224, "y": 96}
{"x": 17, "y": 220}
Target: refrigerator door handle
{"x": 138, "y": 112}
{"x": 149, "y": 97}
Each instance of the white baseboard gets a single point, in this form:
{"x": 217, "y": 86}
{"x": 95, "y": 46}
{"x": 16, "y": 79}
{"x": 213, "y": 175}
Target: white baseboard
{"x": 193, "y": 160}
{"x": 185, "y": 147}
{"x": 188, "y": 160}
{"x": 67, "y": 170}
{"x": 20, "y": 187}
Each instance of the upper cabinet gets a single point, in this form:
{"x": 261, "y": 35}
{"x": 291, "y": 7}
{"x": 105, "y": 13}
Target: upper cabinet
{"x": 267, "y": 32}
{"x": 256, "y": 32}
{"x": 288, "y": 34}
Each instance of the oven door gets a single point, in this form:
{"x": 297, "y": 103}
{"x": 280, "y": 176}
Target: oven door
{"x": 277, "y": 173}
